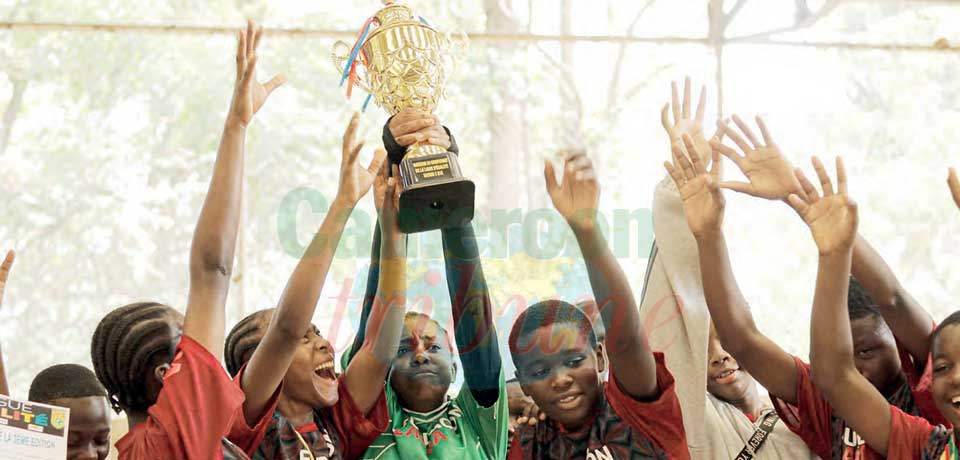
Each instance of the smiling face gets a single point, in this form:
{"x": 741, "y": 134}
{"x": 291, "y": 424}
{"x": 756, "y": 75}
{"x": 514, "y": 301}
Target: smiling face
{"x": 945, "y": 351}
{"x": 563, "y": 374}
{"x": 89, "y": 436}
{"x": 423, "y": 369}
{"x": 875, "y": 353}
{"x": 311, "y": 378}
{"x": 725, "y": 379}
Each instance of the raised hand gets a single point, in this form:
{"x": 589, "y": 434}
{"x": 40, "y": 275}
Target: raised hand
{"x": 5, "y": 272}
{"x": 833, "y": 217}
{"x": 577, "y": 197}
{"x": 248, "y": 94}
{"x": 412, "y": 126}
{"x": 703, "y": 200}
{"x": 387, "y": 199}
{"x": 682, "y": 122}
{"x": 771, "y": 175}
{"x": 954, "y": 185}
{"x": 355, "y": 180}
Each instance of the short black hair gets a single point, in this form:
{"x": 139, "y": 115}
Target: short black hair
{"x": 860, "y": 304}
{"x": 244, "y": 338}
{"x": 952, "y": 320}
{"x": 598, "y": 328}
{"x": 548, "y": 313}
{"x": 65, "y": 381}
{"x": 126, "y": 343}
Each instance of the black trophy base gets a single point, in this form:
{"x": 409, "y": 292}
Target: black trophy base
{"x": 435, "y": 194}
{"x": 436, "y": 205}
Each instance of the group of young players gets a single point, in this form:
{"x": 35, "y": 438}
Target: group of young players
{"x": 883, "y": 378}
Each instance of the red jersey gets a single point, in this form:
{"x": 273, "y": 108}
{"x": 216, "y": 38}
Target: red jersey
{"x": 812, "y": 418}
{"x": 914, "y": 437}
{"x": 341, "y": 432}
{"x": 624, "y": 428}
{"x": 197, "y": 406}
{"x": 242, "y": 437}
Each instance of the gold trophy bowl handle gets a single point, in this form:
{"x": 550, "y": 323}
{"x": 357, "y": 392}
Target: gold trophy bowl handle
{"x": 457, "y": 43}
{"x": 339, "y": 54}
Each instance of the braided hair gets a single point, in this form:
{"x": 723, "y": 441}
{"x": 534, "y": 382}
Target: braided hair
{"x": 244, "y": 338}
{"x": 127, "y": 344}
{"x": 859, "y": 302}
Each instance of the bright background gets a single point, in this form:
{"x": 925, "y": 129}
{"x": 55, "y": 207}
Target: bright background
{"x": 108, "y": 136}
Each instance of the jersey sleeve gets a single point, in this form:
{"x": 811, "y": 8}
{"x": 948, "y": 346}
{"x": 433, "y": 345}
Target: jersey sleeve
{"x": 810, "y": 418}
{"x": 247, "y": 437}
{"x": 491, "y": 424}
{"x": 194, "y": 410}
{"x": 910, "y": 436}
{"x": 356, "y": 429}
{"x": 660, "y": 420}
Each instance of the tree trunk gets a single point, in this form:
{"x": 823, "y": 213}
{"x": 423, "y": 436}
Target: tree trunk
{"x": 568, "y": 96}
{"x": 10, "y": 114}
{"x": 505, "y": 118}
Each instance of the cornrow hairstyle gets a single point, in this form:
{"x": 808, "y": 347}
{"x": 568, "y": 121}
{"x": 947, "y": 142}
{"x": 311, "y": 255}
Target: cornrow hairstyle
{"x": 952, "y": 320}
{"x": 420, "y": 317}
{"x": 65, "y": 381}
{"x": 859, "y": 303}
{"x": 244, "y": 338}
{"x": 549, "y": 313}
{"x": 126, "y": 344}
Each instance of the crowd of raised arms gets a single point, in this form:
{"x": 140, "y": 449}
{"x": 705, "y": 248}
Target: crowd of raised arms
{"x": 883, "y": 379}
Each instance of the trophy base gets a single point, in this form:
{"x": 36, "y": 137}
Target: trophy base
{"x": 436, "y": 205}
{"x": 435, "y": 195}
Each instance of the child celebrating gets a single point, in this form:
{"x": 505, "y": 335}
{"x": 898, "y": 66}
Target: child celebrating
{"x": 798, "y": 402}
{"x": 424, "y": 422}
{"x": 77, "y": 388}
{"x": 886, "y": 428}
{"x": 163, "y": 369}
{"x": 559, "y": 361}
{"x": 320, "y": 415}
{"x": 725, "y": 413}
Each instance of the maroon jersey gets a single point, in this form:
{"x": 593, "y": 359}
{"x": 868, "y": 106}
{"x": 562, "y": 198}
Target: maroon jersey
{"x": 194, "y": 411}
{"x": 914, "y": 437}
{"x": 812, "y": 418}
{"x": 340, "y": 432}
{"x": 623, "y": 428}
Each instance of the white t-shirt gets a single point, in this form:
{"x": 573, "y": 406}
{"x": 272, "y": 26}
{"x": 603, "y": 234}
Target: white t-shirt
{"x": 681, "y": 329}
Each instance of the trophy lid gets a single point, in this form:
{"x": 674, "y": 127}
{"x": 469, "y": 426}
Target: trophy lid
{"x": 392, "y": 13}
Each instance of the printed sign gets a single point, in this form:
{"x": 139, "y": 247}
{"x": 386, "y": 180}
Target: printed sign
{"x": 32, "y": 431}
{"x": 431, "y": 167}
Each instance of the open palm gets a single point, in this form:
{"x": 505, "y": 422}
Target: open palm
{"x": 683, "y": 121}
{"x": 577, "y": 197}
{"x": 833, "y": 218}
{"x": 250, "y": 95}
{"x": 703, "y": 202}
{"x": 771, "y": 175}
{"x": 356, "y": 180}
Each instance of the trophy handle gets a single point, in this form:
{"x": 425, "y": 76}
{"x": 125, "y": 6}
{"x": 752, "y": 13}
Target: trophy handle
{"x": 339, "y": 55}
{"x": 457, "y": 43}
{"x": 455, "y": 46}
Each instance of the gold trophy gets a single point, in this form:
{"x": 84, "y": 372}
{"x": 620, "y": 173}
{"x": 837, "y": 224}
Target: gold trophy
{"x": 404, "y": 63}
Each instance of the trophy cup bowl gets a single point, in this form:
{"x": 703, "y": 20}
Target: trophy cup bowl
{"x": 405, "y": 63}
